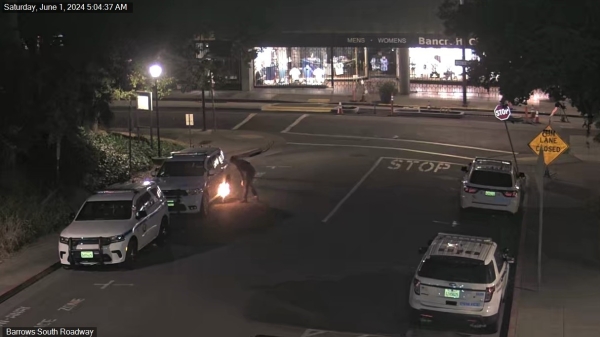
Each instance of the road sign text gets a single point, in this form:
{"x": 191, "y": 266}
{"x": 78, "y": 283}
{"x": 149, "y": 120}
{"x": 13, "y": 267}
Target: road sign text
{"x": 550, "y": 142}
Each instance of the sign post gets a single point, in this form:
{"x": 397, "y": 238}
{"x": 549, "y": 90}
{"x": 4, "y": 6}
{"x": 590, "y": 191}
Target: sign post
{"x": 189, "y": 121}
{"x": 144, "y": 102}
{"x": 548, "y": 146}
{"x": 503, "y": 113}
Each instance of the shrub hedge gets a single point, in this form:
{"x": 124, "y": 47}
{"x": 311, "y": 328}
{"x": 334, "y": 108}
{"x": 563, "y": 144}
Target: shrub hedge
{"x": 89, "y": 160}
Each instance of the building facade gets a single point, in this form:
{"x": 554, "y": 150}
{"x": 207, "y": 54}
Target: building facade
{"x": 334, "y": 46}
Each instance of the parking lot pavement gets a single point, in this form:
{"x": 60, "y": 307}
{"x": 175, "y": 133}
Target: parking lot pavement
{"x": 371, "y": 243}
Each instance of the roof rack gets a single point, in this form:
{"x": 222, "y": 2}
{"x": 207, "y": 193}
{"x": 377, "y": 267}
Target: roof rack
{"x": 481, "y": 160}
{"x": 461, "y": 246}
{"x": 191, "y": 152}
{"x": 117, "y": 190}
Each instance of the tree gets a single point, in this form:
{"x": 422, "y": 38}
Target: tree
{"x": 552, "y": 45}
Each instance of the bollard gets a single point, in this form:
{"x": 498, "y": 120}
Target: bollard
{"x": 537, "y": 117}
{"x": 392, "y": 106}
{"x": 340, "y": 111}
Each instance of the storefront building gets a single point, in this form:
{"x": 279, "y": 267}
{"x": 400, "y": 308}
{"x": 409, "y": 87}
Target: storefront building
{"x": 330, "y": 60}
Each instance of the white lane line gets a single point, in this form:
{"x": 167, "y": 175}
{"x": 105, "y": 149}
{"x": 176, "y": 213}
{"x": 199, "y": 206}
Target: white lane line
{"x": 362, "y": 180}
{"x": 399, "y": 140}
{"x": 384, "y": 148}
{"x": 286, "y": 130}
{"x": 433, "y": 161}
{"x": 250, "y": 116}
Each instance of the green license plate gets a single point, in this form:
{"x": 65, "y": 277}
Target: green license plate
{"x": 87, "y": 255}
{"x": 452, "y": 293}
{"x": 490, "y": 194}
{"x": 170, "y": 203}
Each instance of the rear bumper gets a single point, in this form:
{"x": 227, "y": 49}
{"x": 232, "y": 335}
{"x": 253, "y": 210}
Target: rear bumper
{"x": 467, "y": 202}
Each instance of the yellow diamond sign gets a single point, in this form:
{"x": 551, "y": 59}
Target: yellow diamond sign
{"x": 551, "y": 142}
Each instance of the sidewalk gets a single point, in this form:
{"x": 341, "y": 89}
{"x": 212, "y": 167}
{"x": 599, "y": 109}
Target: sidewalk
{"x": 568, "y": 302}
{"x": 37, "y": 260}
{"x": 326, "y": 96}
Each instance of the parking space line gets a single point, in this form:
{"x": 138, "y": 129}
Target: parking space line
{"x": 362, "y": 180}
{"x": 398, "y": 140}
{"x": 250, "y": 116}
{"x": 383, "y": 148}
{"x": 296, "y": 122}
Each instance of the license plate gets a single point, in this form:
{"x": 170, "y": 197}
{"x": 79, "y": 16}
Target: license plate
{"x": 170, "y": 203}
{"x": 451, "y": 293}
{"x": 490, "y": 194}
{"x": 87, "y": 255}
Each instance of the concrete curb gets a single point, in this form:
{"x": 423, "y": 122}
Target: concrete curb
{"x": 29, "y": 282}
{"x": 432, "y": 114}
{"x": 514, "y": 310}
{"x": 298, "y": 108}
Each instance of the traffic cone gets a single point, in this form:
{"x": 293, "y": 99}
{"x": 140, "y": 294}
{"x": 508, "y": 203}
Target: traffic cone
{"x": 340, "y": 111}
{"x": 537, "y": 117}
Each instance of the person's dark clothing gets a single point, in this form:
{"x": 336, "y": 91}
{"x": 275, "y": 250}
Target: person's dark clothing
{"x": 247, "y": 172}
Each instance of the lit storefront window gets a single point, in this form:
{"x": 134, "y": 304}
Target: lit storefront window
{"x": 437, "y": 63}
{"x": 291, "y": 66}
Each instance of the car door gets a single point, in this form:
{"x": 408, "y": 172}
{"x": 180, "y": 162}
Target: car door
{"x": 501, "y": 271}
{"x": 158, "y": 203}
{"x": 144, "y": 224}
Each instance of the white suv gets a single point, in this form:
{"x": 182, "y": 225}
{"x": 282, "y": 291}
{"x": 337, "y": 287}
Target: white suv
{"x": 491, "y": 184}
{"x": 114, "y": 224}
{"x": 190, "y": 178}
{"x": 461, "y": 279}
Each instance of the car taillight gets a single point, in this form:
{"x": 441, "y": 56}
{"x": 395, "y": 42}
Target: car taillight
{"x": 510, "y": 194}
{"x": 470, "y": 189}
{"x": 417, "y": 286}
{"x": 489, "y": 292}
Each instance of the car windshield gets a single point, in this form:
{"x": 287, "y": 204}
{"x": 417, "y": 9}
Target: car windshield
{"x": 106, "y": 210}
{"x": 457, "y": 270}
{"x": 491, "y": 178}
{"x": 182, "y": 169}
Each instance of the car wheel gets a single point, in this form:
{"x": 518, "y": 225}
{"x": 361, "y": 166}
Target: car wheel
{"x": 164, "y": 231}
{"x": 205, "y": 207}
{"x": 131, "y": 254}
{"x": 67, "y": 266}
{"x": 492, "y": 327}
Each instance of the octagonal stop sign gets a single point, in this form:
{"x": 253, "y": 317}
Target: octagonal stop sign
{"x": 502, "y": 112}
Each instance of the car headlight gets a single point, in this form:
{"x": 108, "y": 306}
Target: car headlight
{"x": 62, "y": 239}
{"x": 119, "y": 238}
{"x": 194, "y": 191}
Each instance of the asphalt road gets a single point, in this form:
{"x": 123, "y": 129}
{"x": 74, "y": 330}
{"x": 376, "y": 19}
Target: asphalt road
{"x": 319, "y": 251}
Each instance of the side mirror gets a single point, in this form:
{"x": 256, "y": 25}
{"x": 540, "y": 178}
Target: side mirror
{"x": 141, "y": 214}
{"x": 464, "y": 169}
{"x": 521, "y": 175}
{"x": 423, "y": 250}
{"x": 509, "y": 259}
{"x": 72, "y": 216}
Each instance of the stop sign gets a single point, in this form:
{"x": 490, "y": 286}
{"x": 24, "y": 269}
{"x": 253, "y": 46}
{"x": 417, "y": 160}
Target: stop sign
{"x": 502, "y": 112}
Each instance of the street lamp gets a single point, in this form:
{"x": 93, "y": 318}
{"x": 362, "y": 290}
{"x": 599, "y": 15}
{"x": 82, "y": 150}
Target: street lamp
{"x": 155, "y": 72}
{"x": 464, "y": 69}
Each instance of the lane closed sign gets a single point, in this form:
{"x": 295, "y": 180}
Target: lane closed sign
{"x": 502, "y": 112}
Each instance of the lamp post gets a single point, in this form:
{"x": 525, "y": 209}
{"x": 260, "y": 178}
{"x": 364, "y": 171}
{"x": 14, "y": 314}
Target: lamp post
{"x": 155, "y": 72}
{"x": 464, "y": 69}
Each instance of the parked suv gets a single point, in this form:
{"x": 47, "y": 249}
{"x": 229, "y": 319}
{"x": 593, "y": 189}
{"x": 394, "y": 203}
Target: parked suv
{"x": 491, "y": 184}
{"x": 190, "y": 178}
{"x": 114, "y": 224}
{"x": 461, "y": 279}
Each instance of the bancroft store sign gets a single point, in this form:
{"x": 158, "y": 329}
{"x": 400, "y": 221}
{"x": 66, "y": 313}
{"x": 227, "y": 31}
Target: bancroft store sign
{"x": 341, "y": 40}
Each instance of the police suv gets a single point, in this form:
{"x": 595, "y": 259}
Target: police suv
{"x": 460, "y": 279}
{"x": 190, "y": 178}
{"x": 491, "y": 184}
{"x": 114, "y": 224}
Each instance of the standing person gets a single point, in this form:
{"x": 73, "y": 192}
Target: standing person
{"x": 247, "y": 172}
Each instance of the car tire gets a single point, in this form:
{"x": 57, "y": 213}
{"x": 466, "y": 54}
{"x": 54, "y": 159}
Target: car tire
{"x": 163, "y": 231}
{"x": 205, "y": 206}
{"x": 492, "y": 327}
{"x": 67, "y": 266}
{"x": 131, "y": 254}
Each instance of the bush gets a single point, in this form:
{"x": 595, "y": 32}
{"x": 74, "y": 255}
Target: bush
{"x": 387, "y": 90}
{"x": 27, "y": 215}
{"x": 111, "y": 157}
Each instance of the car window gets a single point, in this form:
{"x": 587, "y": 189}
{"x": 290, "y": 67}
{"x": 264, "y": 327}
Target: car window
{"x": 457, "y": 270}
{"x": 156, "y": 192}
{"x": 499, "y": 259}
{"x": 182, "y": 169}
{"x": 105, "y": 210}
{"x": 491, "y": 178}
{"x": 142, "y": 201}
{"x": 212, "y": 162}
